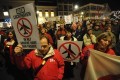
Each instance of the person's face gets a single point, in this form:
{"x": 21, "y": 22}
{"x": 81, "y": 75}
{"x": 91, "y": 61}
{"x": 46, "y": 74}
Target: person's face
{"x": 91, "y": 25}
{"x": 10, "y": 35}
{"x": 90, "y": 32}
{"x": 103, "y": 23}
{"x": 69, "y": 34}
{"x": 105, "y": 42}
{"x": 43, "y": 30}
{"x": 96, "y": 27}
{"x": 44, "y": 46}
{"x": 109, "y": 29}
{"x": 62, "y": 26}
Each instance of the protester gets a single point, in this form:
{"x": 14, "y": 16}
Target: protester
{"x": 96, "y": 30}
{"x": 9, "y": 45}
{"x": 61, "y": 31}
{"x": 44, "y": 33}
{"x": 2, "y": 38}
{"x": 108, "y": 28}
{"x": 89, "y": 38}
{"x": 77, "y": 31}
{"x": 116, "y": 29}
{"x": 104, "y": 42}
{"x": 69, "y": 66}
{"x": 46, "y": 62}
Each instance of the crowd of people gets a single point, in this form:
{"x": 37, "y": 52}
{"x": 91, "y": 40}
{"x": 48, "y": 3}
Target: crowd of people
{"x": 47, "y": 63}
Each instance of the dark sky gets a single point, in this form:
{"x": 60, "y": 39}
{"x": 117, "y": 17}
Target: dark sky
{"x": 113, "y": 4}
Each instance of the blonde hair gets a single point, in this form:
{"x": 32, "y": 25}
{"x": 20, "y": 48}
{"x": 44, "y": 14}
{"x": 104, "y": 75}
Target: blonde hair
{"x": 105, "y": 35}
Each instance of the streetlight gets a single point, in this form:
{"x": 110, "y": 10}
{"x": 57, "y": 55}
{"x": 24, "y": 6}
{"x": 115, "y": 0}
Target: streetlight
{"x": 76, "y": 7}
{"x": 82, "y": 13}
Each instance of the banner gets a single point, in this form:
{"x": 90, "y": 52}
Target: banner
{"x": 102, "y": 66}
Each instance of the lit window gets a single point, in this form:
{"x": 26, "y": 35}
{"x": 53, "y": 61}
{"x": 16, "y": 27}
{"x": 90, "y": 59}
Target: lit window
{"x": 6, "y": 13}
{"x": 52, "y": 14}
{"x": 40, "y": 14}
{"x": 46, "y": 14}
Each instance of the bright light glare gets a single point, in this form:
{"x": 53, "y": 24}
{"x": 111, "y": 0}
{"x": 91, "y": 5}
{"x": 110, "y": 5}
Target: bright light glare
{"x": 37, "y": 12}
{"x": 40, "y": 14}
{"x": 6, "y": 13}
{"x": 76, "y": 6}
{"x": 82, "y": 13}
{"x": 52, "y": 14}
{"x": 46, "y": 14}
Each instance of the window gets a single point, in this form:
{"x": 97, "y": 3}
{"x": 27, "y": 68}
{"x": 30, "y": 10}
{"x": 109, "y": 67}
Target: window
{"x": 65, "y": 13}
{"x": 65, "y": 8}
{"x": 46, "y": 13}
{"x": 66, "y": 1}
{"x": 52, "y": 14}
{"x": 60, "y": 13}
{"x": 60, "y": 8}
{"x": 40, "y": 14}
{"x": 93, "y": 7}
{"x": 70, "y": 8}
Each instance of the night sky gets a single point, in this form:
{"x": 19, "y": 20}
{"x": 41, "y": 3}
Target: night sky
{"x": 113, "y": 4}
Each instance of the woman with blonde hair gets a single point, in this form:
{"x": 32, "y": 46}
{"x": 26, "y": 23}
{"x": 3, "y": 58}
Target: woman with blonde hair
{"x": 103, "y": 44}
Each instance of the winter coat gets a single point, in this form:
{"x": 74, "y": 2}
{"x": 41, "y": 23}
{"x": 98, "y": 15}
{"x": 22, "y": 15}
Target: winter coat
{"x": 53, "y": 68}
{"x": 88, "y": 41}
{"x": 85, "y": 49}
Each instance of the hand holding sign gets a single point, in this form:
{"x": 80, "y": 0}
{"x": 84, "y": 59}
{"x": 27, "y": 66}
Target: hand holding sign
{"x": 18, "y": 49}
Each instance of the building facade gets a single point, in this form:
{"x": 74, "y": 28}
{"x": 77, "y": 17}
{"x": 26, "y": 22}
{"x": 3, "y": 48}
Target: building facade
{"x": 64, "y": 7}
{"x": 93, "y": 11}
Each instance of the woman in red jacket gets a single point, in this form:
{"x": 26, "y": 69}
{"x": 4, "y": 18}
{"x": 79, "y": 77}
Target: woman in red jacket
{"x": 104, "y": 42}
{"x": 50, "y": 59}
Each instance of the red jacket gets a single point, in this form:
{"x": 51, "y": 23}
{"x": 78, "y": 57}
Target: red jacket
{"x": 53, "y": 68}
{"x": 110, "y": 51}
{"x": 19, "y": 61}
{"x": 59, "y": 33}
{"x": 9, "y": 46}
